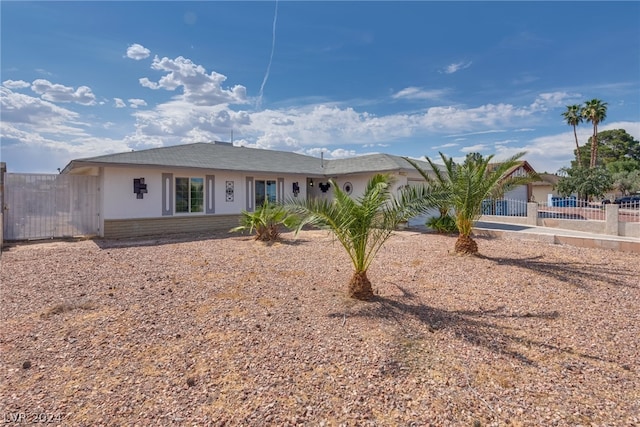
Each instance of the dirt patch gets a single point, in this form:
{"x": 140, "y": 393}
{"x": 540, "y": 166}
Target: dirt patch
{"x": 229, "y": 331}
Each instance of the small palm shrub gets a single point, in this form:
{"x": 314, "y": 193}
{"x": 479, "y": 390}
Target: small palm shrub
{"x": 445, "y": 224}
{"x": 266, "y": 222}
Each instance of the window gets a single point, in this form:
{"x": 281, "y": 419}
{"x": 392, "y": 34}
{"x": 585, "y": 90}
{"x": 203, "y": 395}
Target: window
{"x": 265, "y": 190}
{"x": 189, "y": 195}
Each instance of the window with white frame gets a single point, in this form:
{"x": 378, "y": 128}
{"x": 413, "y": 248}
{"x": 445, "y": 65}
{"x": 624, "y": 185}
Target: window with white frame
{"x": 189, "y": 194}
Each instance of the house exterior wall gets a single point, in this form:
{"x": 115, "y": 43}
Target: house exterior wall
{"x": 120, "y": 202}
{"x": 540, "y": 193}
{"x": 125, "y": 228}
{"x": 123, "y": 214}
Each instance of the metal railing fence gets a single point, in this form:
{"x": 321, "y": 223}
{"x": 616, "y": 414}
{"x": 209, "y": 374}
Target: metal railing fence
{"x": 39, "y": 206}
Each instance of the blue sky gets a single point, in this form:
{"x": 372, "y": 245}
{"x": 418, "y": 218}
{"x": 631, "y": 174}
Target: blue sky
{"x": 81, "y": 79}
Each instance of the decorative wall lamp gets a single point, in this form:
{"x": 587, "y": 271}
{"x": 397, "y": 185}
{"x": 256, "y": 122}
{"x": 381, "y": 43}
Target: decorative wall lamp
{"x": 296, "y": 189}
{"x": 139, "y": 187}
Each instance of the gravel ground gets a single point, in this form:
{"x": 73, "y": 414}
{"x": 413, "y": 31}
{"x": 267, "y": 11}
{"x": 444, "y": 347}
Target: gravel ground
{"x": 223, "y": 330}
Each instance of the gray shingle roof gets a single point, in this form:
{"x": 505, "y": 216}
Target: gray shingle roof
{"x": 371, "y": 163}
{"x": 216, "y": 156}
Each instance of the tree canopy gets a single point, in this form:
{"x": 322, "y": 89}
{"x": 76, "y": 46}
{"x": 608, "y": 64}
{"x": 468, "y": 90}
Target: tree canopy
{"x": 613, "y": 146}
{"x": 618, "y": 166}
{"x": 585, "y": 182}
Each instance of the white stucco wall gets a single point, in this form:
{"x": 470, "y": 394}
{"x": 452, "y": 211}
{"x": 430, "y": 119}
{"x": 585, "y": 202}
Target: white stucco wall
{"x": 120, "y": 202}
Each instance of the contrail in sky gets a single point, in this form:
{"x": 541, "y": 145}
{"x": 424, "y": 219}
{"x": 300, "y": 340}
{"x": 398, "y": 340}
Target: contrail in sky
{"x": 273, "y": 48}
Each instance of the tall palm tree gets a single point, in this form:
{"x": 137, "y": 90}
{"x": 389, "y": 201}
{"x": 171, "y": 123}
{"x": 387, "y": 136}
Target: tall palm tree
{"x": 363, "y": 224}
{"x": 573, "y": 117}
{"x": 594, "y": 111}
{"x": 466, "y": 185}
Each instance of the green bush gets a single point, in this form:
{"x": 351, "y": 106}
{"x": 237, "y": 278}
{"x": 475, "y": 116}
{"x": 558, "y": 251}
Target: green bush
{"x": 266, "y": 221}
{"x": 443, "y": 224}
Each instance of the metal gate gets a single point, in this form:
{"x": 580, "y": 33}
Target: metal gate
{"x": 38, "y": 206}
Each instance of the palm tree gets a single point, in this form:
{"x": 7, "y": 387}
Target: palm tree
{"x": 573, "y": 117}
{"x": 363, "y": 224}
{"x": 594, "y": 111}
{"x": 467, "y": 185}
{"x": 265, "y": 222}
{"x": 438, "y": 185}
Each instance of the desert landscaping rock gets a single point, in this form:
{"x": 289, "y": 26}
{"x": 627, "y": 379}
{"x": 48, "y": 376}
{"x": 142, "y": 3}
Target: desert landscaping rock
{"x": 223, "y": 330}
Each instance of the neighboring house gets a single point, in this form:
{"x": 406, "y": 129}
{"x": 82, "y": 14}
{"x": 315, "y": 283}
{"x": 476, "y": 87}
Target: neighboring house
{"x": 523, "y": 192}
{"x": 514, "y": 202}
{"x": 545, "y": 187}
{"x": 205, "y": 186}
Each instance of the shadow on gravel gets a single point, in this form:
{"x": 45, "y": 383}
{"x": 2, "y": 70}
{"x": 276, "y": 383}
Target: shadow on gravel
{"x": 470, "y": 328}
{"x": 476, "y": 327}
{"x": 171, "y": 239}
{"x": 574, "y": 273}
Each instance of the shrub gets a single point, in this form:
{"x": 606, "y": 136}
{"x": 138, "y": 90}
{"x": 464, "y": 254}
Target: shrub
{"x": 443, "y": 224}
{"x": 266, "y": 221}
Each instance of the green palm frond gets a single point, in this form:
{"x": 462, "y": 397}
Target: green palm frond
{"x": 364, "y": 223}
{"x": 464, "y": 186}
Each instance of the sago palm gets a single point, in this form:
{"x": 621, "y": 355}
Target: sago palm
{"x": 594, "y": 111}
{"x": 573, "y": 117}
{"x": 361, "y": 224}
{"x": 466, "y": 185}
{"x": 265, "y": 222}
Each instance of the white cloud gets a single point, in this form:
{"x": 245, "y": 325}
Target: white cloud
{"x": 43, "y": 72}
{"x": 20, "y": 108}
{"x": 449, "y": 145}
{"x": 504, "y": 142}
{"x": 135, "y": 103}
{"x": 455, "y": 67}
{"x": 59, "y": 93}
{"x": 119, "y": 103}
{"x": 474, "y": 148}
{"x": 546, "y": 101}
{"x": 137, "y": 51}
{"x": 413, "y": 92}
{"x": 341, "y": 153}
{"x": 453, "y": 118}
{"x": 46, "y": 133}
{"x": 483, "y": 132}
{"x": 15, "y": 84}
{"x": 198, "y": 87}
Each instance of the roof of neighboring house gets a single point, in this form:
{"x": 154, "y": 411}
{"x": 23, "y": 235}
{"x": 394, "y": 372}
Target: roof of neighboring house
{"x": 523, "y": 163}
{"x": 547, "y": 179}
{"x": 224, "y": 156}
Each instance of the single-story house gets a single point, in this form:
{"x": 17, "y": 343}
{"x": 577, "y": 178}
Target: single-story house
{"x": 522, "y": 192}
{"x": 205, "y": 186}
{"x": 514, "y": 201}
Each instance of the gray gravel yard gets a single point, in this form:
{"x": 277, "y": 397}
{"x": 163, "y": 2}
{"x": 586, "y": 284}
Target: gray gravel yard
{"x": 223, "y": 330}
